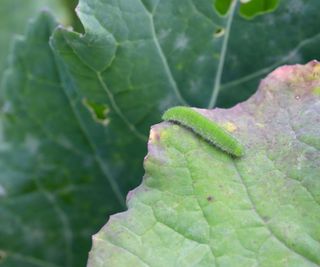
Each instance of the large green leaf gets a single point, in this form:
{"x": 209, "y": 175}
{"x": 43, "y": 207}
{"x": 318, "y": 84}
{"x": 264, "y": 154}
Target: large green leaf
{"x": 55, "y": 191}
{"x": 138, "y": 58}
{"x": 173, "y": 52}
{"x": 198, "y": 206}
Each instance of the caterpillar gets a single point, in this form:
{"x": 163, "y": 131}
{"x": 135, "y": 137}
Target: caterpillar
{"x": 207, "y": 129}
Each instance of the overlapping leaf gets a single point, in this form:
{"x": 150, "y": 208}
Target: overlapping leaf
{"x": 198, "y": 206}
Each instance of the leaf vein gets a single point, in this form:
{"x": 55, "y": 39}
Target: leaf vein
{"x": 265, "y": 224}
{"x": 265, "y": 70}
{"x": 163, "y": 58}
{"x": 217, "y": 80}
{"x": 124, "y": 249}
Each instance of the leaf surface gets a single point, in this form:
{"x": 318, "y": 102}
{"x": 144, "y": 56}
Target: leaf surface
{"x": 14, "y": 14}
{"x": 188, "y": 46}
{"x": 198, "y": 206}
{"x": 55, "y": 190}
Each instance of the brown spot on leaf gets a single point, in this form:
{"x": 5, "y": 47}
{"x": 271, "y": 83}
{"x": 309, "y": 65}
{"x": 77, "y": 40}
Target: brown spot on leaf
{"x": 154, "y": 136}
{"x": 266, "y": 218}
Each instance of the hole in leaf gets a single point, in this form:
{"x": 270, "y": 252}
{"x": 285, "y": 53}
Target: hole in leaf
{"x": 99, "y": 111}
{"x": 219, "y": 32}
{"x": 253, "y": 8}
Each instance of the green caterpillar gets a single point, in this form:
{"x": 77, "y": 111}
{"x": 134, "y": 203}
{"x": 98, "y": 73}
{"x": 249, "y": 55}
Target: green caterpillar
{"x": 206, "y": 128}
